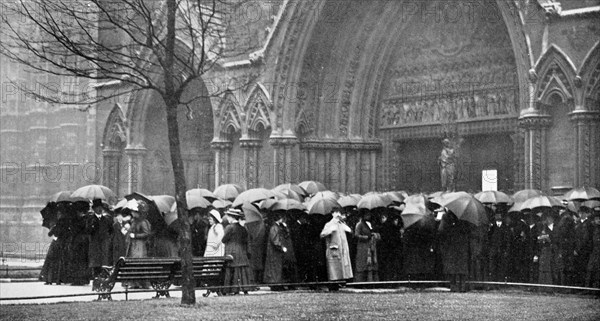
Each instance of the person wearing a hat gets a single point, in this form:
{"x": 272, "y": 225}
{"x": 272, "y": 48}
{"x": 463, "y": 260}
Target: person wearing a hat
{"x": 367, "y": 266}
{"x": 238, "y": 272}
{"x": 547, "y": 250}
{"x": 583, "y": 244}
{"x": 592, "y": 279}
{"x": 139, "y": 232}
{"x": 339, "y": 266}
{"x": 99, "y": 227}
{"x": 214, "y": 241}
{"x": 498, "y": 249}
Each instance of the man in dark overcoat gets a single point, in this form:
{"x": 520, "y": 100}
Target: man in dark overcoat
{"x": 99, "y": 226}
{"x": 499, "y": 241}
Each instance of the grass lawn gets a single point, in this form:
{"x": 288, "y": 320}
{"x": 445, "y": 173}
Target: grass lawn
{"x": 326, "y": 306}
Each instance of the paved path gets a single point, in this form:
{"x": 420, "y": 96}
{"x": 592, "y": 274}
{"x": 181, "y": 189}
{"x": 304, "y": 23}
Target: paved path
{"x": 30, "y": 289}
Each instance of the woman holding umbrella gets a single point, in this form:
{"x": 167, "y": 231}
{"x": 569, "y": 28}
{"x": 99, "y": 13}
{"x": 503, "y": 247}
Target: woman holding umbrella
{"x": 454, "y": 248}
{"x": 366, "y": 250}
{"x": 138, "y": 236}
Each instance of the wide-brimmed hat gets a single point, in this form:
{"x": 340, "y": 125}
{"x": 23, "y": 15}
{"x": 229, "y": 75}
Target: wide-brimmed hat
{"x": 214, "y": 213}
{"x": 234, "y": 212}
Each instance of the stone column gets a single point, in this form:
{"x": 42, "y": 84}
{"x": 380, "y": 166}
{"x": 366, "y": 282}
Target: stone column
{"x": 535, "y": 126}
{"x": 250, "y": 147}
{"x": 343, "y": 171}
{"x": 373, "y": 170}
{"x": 222, "y": 150}
{"x": 518, "y": 139}
{"x": 282, "y": 157}
{"x": 586, "y": 140}
{"x": 135, "y": 159}
{"x": 111, "y": 171}
{"x": 313, "y": 166}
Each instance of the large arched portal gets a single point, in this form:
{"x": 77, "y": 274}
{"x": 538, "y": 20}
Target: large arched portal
{"x": 383, "y": 82}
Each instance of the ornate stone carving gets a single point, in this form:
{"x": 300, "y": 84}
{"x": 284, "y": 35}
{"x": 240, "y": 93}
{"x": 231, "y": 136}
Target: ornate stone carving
{"x": 343, "y": 144}
{"x": 258, "y": 110}
{"x": 535, "y": 121}
{"x": 230, "y": 116}
{"x": 554, "y": 79}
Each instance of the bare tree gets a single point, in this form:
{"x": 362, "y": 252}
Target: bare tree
{"x": 156, "y": 45}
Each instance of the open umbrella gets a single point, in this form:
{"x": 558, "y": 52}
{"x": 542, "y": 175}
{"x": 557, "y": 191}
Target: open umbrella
{"x": 348, "y": 201}
{"x": 312, "y": 187}
{"x": 267, "y": 204}
{"x": 195, "y": 199}
{"x": 582, "y": 194}
{"x": 523, "y": 195}
{"x": 414, "y": 210}
{"x": 372, "y": 201}
{"x": 251, "y": 213}
{"x": 396, "y": 197}
{"x": 228, "y": 191}
{"x": 64, "y": 196}
{"x": 202, "y": 192}
{"x": 93, "y": 192}
{"x": 291, "y": 187}
{"x": 541, "y": 202}
{"x": 493, "y": 197}
{"x": 436, "y": 194}
{"x": 220, "y": 204}
{"x": 171, "y": 215}
{"x": 49, "y": 215}
{"x": 252, "y": 195}
{"x": 465, "y": 207}
{"x": 286, "y": 194}
{"x": 322, "y": 205}
{"x": 148, "y": 206}
{"x": 288, "y": 205}
{"x": 326, "y": 194}
{"x": 163, "y": 202}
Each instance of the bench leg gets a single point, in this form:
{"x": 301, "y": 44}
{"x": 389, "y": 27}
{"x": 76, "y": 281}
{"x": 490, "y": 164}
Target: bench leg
{"x": 162, "y": 289}
{"x": 102, "y": 296}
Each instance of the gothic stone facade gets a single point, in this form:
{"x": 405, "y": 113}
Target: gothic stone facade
{"x": 358, "y": 95}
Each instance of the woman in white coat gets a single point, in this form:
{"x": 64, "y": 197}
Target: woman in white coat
{"x": 214, "y": 244}
{"x": 339, "y": 266}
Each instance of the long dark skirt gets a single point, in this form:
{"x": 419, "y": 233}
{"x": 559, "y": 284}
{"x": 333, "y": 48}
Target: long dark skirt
{"x": 51, "y": 271}
{"x": 79, "y": 271}
{"x": 238, "y": 277}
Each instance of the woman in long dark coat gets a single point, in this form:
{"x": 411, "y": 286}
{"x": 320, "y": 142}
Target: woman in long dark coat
{"x": 238, "y": 274}
{"x": 390, "y": 248}
{"x": 367, "y": 265}
{"x": 79, "y": 270}
{"x": 454, "y": 248}
{"x": 419, "y": 256}
{"x": 120, "y": 234}
{"x": 593, "y": 267}
{"x": 53, "y": 269}
{"x": 275, "y": 252}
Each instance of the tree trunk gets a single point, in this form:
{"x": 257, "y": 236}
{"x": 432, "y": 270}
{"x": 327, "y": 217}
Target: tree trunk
{"x": 172, "y": 103}
{"x": 184, "y": 232}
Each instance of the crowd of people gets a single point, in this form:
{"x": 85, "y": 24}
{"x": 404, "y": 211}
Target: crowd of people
{"x": 550, "y": 246}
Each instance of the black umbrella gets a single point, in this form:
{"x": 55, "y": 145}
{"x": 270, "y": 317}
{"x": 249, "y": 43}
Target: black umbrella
{"x": 49, "y": 215}
{"x": 148, "y": 207}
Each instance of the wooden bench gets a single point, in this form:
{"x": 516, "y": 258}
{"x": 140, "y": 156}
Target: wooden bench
{"x": 209, "y": 272}
{"x": 159, "y": 272}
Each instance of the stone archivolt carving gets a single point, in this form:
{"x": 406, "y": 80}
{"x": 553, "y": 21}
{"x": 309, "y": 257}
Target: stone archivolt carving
{"x": 594, "y": 84}
{"x": 258, "y": 110}
{"x": 554, "y": 79}
{"x": 230, "y": 117}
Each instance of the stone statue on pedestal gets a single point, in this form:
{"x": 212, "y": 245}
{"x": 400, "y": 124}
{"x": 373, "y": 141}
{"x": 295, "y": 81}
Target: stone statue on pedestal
{"x": 447, "y": 161}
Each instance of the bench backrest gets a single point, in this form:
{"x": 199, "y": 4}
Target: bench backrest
{"x": 208, "y": 271}
{"x": 150, "y": 268}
